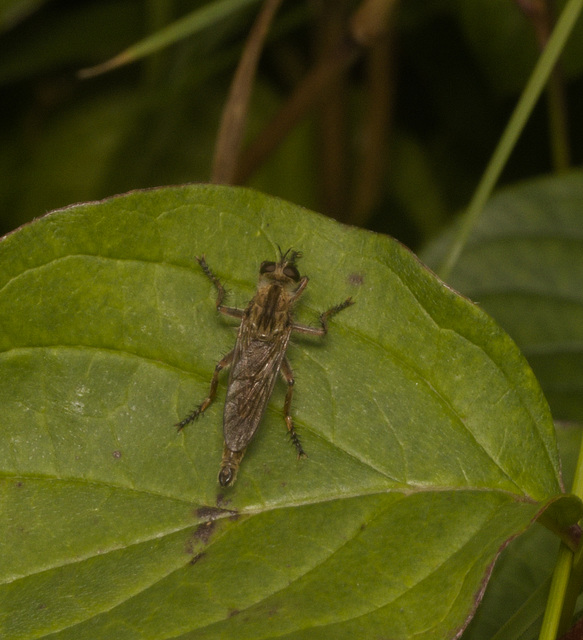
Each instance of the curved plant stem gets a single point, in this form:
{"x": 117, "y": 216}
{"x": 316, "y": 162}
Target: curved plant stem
{"x": 528, "y": 99}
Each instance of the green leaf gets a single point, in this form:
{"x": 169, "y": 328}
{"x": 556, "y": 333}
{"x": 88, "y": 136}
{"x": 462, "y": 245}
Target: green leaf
{"x": 524, "y": 264}
{"x": 514, "y": 601}
{"x": 430, "y": 442}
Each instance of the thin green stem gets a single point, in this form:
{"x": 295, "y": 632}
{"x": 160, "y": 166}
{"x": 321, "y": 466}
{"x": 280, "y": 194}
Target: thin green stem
{"x": 158, "y": 14}
{"x": 197, "y": 20}
{"x": 567, "y": 577}
{"x": 522, "y": 111}
{"x": 557, "y": 594}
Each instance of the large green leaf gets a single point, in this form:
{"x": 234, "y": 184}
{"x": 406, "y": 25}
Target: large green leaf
{"x": 429, "y": 439}
{"x": 524, "y": 264}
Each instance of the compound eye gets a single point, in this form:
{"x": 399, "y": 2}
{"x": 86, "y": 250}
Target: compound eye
{"x": 267, "y": 267}
{"x": 291, "y": 272}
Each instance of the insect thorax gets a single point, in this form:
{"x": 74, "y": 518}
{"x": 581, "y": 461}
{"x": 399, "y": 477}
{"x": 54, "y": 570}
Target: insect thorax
{"x": 269, "y": 312}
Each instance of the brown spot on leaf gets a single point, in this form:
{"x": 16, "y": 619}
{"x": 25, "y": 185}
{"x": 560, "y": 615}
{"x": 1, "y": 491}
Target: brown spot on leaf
{"x": 222, "y": 500}
{"x": 197, "y": 557}
{"x": 204, "y": 531}
{"x": 213, "y": 513}
{"x": 209, "y": 513}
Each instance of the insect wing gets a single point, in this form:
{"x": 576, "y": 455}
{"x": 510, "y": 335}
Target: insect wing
{"x": 254, "y": 370}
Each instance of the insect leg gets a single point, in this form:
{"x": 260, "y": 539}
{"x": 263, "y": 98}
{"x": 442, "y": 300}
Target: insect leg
{"x": 288, "y": 375}
{"x": 333, "y": 311}
{"x": 324, "y": 317}
{"x": 222, "y": 364}
{"x": 221, "y": 293}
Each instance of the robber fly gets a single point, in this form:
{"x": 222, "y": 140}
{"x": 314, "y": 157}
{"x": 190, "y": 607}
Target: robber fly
{"x": 258, "y": 356}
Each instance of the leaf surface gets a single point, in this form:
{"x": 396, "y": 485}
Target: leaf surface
{"x": 430, "y": 443}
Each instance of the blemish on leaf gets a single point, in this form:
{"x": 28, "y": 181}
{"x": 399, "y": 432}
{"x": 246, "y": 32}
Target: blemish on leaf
{"x": 356, "y": 279}
{"x": 204, "y": 531}
{"x": 116, "y": 454}
{"x": 197, "y": 557}
{"x": 211, "y": 513}
{"x": 222, "y": 500}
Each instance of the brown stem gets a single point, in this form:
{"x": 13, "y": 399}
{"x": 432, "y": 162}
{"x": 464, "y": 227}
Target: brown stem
{"x": 332, "y": 129}
{"x": 540, "y": 15}
{"x": 309, "y": 92}
{"x": 234, "y": 116}
{"x": 375, "y": 130}
{"x": 368, "y": 23}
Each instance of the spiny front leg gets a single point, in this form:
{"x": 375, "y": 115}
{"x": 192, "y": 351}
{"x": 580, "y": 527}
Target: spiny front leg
{"x": 191, "y": 417}
{"x": 221, "y": 292}
{"x": 288, "y": 375}
{"x": 322, "y": 330}
{"x": 324, "y": 317}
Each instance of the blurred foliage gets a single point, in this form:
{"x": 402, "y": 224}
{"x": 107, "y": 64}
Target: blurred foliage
{"x": 452, "y": 71}
{"x": 523, "y": 263}
{"x": 456, "y": 69}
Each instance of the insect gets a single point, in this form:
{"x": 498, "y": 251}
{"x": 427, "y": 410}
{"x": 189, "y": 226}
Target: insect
{"x": 259, "y": 356}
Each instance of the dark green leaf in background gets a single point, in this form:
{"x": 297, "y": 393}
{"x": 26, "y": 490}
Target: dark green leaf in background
{"x": 524, "y": 264}
{"x": 430, "y": 441}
